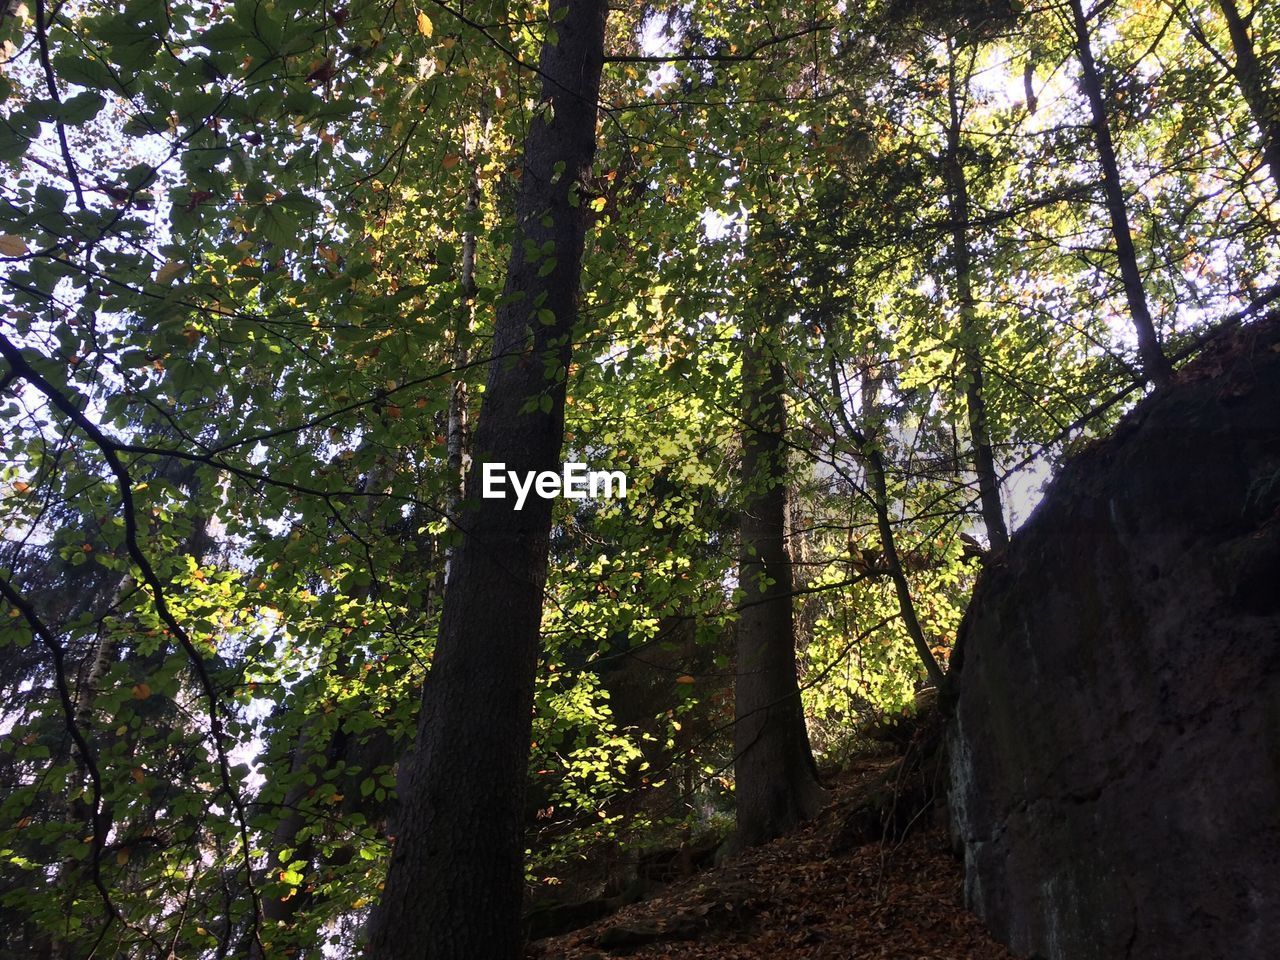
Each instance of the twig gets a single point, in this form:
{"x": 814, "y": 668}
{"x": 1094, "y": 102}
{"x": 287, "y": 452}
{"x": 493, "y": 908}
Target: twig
{"x": 42, "y": 38}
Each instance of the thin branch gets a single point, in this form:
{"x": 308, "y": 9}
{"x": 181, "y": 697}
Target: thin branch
{"x": 124, "y": 482}
{"x": 721, "y": 57}
{"x": 42, "y": 38}
{"x": 87, "y": 753}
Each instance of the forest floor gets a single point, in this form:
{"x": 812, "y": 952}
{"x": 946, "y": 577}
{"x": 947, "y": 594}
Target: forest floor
{"x": 803, "y": 896}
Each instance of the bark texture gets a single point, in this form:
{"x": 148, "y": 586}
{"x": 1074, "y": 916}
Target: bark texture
{"x": 454, "y": 884}
{"x": 776, "y": 785}
{"x": 1114, "y": 778}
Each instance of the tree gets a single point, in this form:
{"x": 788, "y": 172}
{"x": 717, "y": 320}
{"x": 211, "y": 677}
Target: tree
{"x": 454, "y": 884}
{"x": 251, "y": 266}
{"x": 1254, "y": 84}
{"x": 775, "y": 779}
{"x": 970, "y": 334}
{"x": 1155, "y": 365}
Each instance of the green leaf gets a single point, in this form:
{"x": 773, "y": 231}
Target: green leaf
{"x": 50, "y": 198}
{"x": 14, "y": 139}
{"x": 278, "y": 225}
{"x": 82, "y": 107}
{"x": 85, "y": 71}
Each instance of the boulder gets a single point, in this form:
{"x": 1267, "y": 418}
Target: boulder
{"x": 1114, "y": 753}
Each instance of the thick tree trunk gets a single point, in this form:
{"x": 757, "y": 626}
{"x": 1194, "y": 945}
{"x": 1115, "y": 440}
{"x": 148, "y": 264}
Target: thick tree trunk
{"x": 1254, "y": 87}
{"x": 776, "y": 784}
{"x": 454, "y": 885}
{"x": 971, "y": 335}
{"x": 1155, "y": 365}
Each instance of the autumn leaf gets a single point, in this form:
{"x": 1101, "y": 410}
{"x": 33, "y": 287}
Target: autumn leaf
{"x": 12, "y": 246}
{"x": 424, "y": 25}
{"x": 170, "y": 270}
{"x": 322, "y": 71}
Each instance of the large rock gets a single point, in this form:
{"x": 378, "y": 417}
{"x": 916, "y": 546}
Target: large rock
{"x": 1115, "y": 751}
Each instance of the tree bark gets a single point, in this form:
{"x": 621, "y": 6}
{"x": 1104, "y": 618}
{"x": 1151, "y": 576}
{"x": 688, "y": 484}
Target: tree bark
{"x": 454, "y": 884}
{"x": 1253, "y": 86}
{"x": 1155, "y": 365}
{"x": 776, "y": 784}
{"x": 971, "y": 334}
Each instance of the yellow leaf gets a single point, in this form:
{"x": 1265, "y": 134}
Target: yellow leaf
{"x": 12, "y": 246}
{"x": 424, "y": 25}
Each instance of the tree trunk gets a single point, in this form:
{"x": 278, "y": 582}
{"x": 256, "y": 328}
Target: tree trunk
{"x": 878, "y": 484}
{"x": 776, "y": 784}
{"x": 457, "y": 427}
{"x": 1253, "y": 85}
{"x": 1155, "y": 365}
{"x": 454, "y": 884}
{"x": 971, "y": 335}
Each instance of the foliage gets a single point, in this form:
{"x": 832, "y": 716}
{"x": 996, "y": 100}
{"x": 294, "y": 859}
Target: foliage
{"x": 251, "y": 257}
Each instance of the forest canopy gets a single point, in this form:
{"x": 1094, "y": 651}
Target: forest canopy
{"x": 835, "y": 287}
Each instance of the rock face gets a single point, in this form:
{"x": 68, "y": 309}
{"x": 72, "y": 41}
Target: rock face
{"x": 1115, "y": 750}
